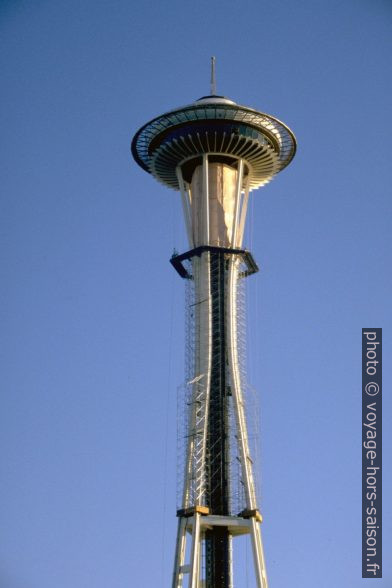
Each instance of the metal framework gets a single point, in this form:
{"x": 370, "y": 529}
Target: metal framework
{"x": 215, "y": 152}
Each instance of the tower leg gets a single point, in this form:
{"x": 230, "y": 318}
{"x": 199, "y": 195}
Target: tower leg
{"x": 195, "y": 553}
{"x": 231, "y": 574}
{"x": 180, "y": 554}
{"x": 258, "y": 554}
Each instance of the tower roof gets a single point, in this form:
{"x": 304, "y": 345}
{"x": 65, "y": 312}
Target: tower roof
{"x": 218, "y": 126}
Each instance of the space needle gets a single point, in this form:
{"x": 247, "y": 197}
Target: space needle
{"x": 215, "y": 152}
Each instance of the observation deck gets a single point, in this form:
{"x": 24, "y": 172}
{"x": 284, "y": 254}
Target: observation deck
{"x": 219, "y": 127}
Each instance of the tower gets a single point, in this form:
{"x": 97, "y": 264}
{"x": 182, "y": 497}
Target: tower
{"x": 215, "y": 152}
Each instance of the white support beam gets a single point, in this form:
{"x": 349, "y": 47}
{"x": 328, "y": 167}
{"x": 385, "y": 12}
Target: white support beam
{"x": 194, "y": 573}
{"x": 236, "y": 388}
{"x": 186, "y": 206}
{"x": 258, "y": 555}
{"x": 244, "y": 208}
{"x": 206, "y": 202}
{"x": 178, "y": 571}
{"x": 240, "y": 173}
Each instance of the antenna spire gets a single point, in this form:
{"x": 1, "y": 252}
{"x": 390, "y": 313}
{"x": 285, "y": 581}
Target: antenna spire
{"x": 213, "y": 80}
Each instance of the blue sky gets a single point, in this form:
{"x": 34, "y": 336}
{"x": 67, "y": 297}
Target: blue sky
{"x": 93, "y": 313}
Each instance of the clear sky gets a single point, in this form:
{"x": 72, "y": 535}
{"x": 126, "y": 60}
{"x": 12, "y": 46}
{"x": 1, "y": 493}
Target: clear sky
{"x": 93, "y": 314}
